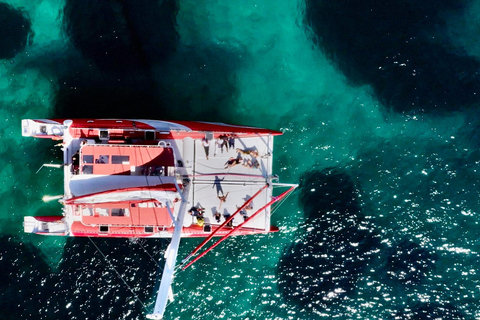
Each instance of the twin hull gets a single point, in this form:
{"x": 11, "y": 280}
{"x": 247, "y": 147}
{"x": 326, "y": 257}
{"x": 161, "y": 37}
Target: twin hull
{"x": 126, "y": 178}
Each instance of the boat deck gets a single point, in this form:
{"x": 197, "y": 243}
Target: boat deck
{"x": 212, "y": 178}
{"x": 234, "y": 173}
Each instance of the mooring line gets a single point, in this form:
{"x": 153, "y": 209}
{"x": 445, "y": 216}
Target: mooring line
{"x": 155, "y": 261}
{"x": 119, "y": 275}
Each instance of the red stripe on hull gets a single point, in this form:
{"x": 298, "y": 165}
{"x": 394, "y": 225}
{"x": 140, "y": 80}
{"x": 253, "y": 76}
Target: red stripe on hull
{"x": 80, "y": 230}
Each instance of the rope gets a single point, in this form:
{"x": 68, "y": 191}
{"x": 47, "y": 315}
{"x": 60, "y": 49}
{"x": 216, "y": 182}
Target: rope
{"x": 154, "y": 261}
{"x": 278, "y": 204}
{"x": 118, "y": 274}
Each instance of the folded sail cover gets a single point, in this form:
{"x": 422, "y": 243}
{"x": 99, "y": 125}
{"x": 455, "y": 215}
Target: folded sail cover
{"x": 105, "y": 168}
{"x": 163, "y": 193}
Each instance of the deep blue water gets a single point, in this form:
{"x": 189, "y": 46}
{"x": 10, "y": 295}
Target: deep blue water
{"x": 378, "y": 104}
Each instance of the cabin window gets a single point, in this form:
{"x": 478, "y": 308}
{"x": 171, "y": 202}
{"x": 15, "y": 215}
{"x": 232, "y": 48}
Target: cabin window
{"x": 103, "y": 135}
{"x": 152, "y": 171}
{"x": 120, "y": 212}
{"x": 103, "y": 228}
{"x": 148, "y": 204}
{"x": 149, "y": 135}
{"x": 120, "y": 160}
{"x": 103, "y": 159}
{"x": 87, "y": 158}
{"x": 102, "y": 212}
{"x": 87, "y": 212}
{"x": 149, "y": 229}
{"x": 87, "y": 169}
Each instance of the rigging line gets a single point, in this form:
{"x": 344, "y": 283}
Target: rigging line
{"x": 233, "y": 182}
{"x": 275, "y": 208}
{"x": 118, "y": 274}
{"x": 278, "y": 204}
{"x": 211, "y": 235}
{"x": 155, "y": 261}
{"x": 274, "y": 199}
{"x": 227, "y": 173}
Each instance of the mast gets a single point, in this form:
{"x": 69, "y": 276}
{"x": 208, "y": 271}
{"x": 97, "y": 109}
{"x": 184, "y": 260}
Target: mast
{"x": 170, "y": 259}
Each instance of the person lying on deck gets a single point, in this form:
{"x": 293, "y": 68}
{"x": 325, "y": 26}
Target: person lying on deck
{"x": 222, "y": 199}
{"x": 251, "y": 152}
{"x": 232, "y": 162}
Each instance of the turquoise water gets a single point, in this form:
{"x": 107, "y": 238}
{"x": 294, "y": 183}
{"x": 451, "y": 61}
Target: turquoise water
{"x": 377, "y": 102}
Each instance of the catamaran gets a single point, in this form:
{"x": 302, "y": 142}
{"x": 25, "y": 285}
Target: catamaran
{"x": 160, "y": 179}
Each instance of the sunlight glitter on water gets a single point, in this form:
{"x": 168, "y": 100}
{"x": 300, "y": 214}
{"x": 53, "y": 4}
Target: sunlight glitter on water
{"x": 417, "y": 174}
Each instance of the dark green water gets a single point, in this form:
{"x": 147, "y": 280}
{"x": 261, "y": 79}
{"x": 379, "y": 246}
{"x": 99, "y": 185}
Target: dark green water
{"x": 378, "y": 102}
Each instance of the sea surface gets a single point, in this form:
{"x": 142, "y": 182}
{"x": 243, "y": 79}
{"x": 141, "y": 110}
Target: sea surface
{"x": 378, "y": 104}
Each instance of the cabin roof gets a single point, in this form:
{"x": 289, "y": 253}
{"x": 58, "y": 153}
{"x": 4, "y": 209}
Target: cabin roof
{"x": 123, "y": 159}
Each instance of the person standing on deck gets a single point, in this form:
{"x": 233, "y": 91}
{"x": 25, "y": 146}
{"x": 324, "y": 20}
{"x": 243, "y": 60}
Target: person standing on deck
{"x": 206, "y": 146}
{"x": 225, "y": 142}
{"x": 231, "y": 141}
{"x": 218, "y": 145}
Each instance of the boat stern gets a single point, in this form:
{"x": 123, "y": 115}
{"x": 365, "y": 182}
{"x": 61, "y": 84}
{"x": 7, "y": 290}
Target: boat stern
{"x": 45, "y": 225}
{"x": 42, "y": 128}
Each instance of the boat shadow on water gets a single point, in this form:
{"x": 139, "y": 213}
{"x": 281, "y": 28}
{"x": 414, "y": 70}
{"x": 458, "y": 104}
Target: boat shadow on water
{"x": 322, "y": 271}
{"x": 323, "y": 267}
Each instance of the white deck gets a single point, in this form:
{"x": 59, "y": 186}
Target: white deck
{"x": 210, "y": 179}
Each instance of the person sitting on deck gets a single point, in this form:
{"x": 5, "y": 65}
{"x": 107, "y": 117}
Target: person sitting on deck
{"x": 200, "y": 221}
{"x": 227, "y": 216}
{"x": 252, "y": 164}
{"x": 196, "y": 212}
{"x": 243, "y": 212}
{"x": 217, "y": 216}
{"x": 232, "y": 162}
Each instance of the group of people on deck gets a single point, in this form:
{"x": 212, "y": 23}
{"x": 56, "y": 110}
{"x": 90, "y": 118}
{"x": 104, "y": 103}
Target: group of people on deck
{"x": 247, "y": 157}
{"x": 228, "y": 141}
{"x": 251, "y": 163}
{"x": 198, "y": 211}
{"x": 224, "y": 140}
